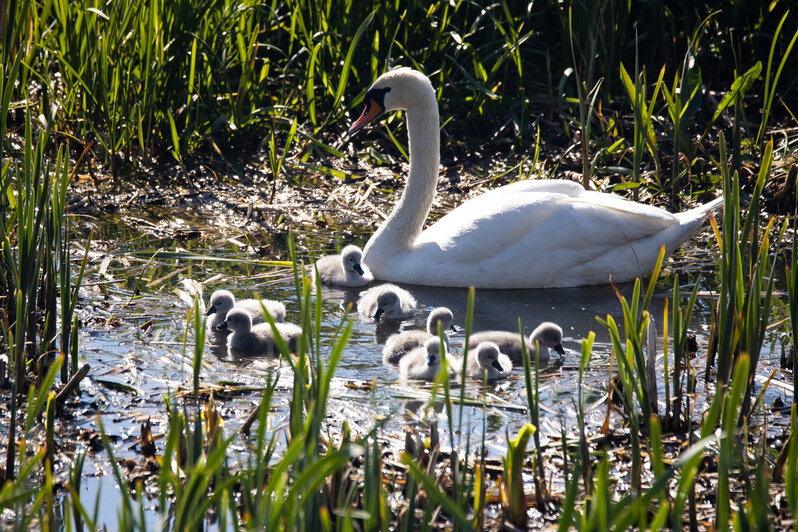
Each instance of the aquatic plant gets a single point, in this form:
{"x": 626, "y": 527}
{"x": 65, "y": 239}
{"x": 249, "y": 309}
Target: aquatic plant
{"x": 747, "y": 275}
{"x": 145, "y": 81}
{"x": 533, "y": 404}
{"x": 512, "y": 486}
{"x": 169, "y": 79}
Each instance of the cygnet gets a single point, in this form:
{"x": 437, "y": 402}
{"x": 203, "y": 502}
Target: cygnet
{"x": 223, "y": 301}
{"x": 424, "y": 362}
{"x": 256, "y": 338}
{"x": 343, "y": 269}
{"x": 488, "y": 362}
{"x": 398, "y": 345}
{"x": 547, "y": 333}
{"x": 386, "y": 301}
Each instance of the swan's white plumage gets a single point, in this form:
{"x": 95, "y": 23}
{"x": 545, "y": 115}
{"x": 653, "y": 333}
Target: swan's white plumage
{"x": 530, "y": 234}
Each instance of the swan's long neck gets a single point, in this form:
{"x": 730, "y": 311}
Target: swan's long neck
{"x": 401, "y": 229}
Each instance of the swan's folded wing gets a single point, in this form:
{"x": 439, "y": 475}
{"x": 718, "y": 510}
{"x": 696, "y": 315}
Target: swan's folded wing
{"x": 553, "y": 216}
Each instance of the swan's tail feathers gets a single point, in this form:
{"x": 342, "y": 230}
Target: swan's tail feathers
{"x": 698, "y": 214}
{"x": 713, "y": 205}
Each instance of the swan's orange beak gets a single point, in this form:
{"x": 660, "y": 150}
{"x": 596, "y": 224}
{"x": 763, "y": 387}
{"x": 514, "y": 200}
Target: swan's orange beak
{"x": 371, "y": 112}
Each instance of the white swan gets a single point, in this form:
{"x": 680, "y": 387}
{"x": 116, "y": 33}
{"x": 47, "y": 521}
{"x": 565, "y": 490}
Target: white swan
{"x": 343, "y": 269}
{"x": 223, "y": 301}
{"x": 488, "y": 362}
{"x": 256, "y": 338}
{"x": 547, "y": 334}
{"x": 399, "y": 344}
{"x": 386, "y": 301}
{"x": 530, "y": 234}
{"x": 424, "y": 362}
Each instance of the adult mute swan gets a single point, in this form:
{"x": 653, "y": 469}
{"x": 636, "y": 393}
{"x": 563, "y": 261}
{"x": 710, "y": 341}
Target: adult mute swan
{"x": 529, "y": 234}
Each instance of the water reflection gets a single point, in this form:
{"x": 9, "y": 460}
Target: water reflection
{"x": 574, "y": 309}
{"x": 156, "y": 360}
{"x": 345, "y": 296}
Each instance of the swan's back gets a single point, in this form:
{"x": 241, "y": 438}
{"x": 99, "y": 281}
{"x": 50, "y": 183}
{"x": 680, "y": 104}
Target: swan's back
{"x": 533, "y": 234}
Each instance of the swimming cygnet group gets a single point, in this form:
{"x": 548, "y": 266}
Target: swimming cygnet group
{"x": 417, "y": 353}
{"x": 256, "y": 338}
{"x": 343, "y": 269}
{"x": 223, "y": 301}
{"x": 491, "y": 355}
{"x": 386, "y": 301}
{"x": 402, "y": 343}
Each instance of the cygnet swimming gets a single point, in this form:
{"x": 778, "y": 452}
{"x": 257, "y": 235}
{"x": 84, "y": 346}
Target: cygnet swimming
{"x": 488, "y": 362}
{"x": 386, "y": 301}
{"x": 547, "y": 333}
{"x": 343, "y": 269}
{"x": 398, "y": 345}
{"x": 256, "y": 338}
{"x": 424, "y": 362}
{"x": 223, "y": 301}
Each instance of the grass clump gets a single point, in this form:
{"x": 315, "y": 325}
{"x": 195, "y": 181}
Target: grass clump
{"x": 176, "y": 80}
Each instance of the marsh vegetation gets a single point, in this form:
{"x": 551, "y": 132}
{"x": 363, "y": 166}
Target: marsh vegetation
{"x": 152, "y": 152}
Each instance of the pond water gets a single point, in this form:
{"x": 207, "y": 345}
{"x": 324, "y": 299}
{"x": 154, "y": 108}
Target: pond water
{"x": 134, "y": 324}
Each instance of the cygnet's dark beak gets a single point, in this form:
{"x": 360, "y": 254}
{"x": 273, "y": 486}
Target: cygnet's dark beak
{"x": 378, "y": 313}
{"x": 211, "y": 311}
{"x": 498, "y": 366}
{"x": 431, "y": 360}
{"x": 358, "y": 269}
{"x": 453, "y": 328}
{"x": 222, "y": 326}
{"x": 559, "y": 349}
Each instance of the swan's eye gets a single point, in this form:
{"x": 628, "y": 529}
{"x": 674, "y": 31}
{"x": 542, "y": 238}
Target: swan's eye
{"x": 378, "y": 96}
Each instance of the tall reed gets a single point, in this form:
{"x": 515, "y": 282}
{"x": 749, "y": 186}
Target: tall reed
{"x": 747, "y": 276}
